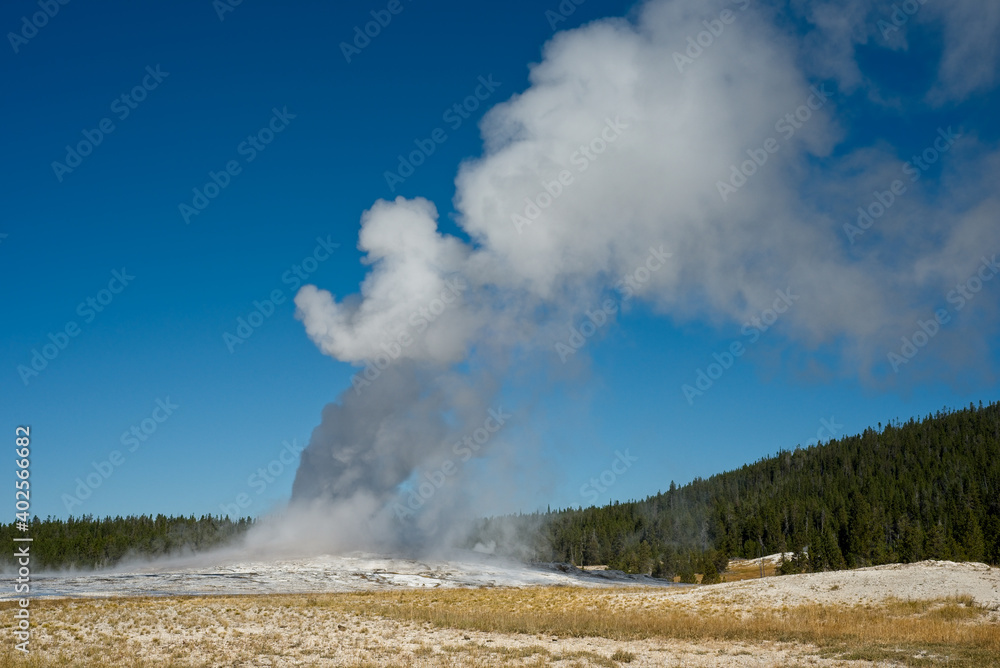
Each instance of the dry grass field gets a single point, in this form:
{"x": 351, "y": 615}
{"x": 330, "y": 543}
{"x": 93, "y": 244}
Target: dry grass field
{"x": 721, "y": 625}
{"x": 748, "y": 569}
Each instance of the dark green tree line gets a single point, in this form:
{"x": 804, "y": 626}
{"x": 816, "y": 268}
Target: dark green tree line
{"x": 927, "y": 489}
{"x": 89, "y": 542}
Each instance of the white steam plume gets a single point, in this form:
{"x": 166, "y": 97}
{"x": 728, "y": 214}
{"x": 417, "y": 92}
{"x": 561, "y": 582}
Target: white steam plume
{"x": 619, "y": 146}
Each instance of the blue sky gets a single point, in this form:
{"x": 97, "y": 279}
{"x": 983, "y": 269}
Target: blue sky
{"x": 170, "y": 287}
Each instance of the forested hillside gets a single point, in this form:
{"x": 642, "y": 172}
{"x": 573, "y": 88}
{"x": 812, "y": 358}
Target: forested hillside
{"x": 920, "y": 490}
{"x": 88, "y": 542}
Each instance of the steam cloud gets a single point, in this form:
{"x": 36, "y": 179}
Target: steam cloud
{"x": 645, "y": 146}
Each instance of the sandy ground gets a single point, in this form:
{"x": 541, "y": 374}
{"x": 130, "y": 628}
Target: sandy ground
{"x": 200, "y": 631}
{"x": 920, "y": 581}
{"x": 327, "y": 573}
{"x": 280, "y": 631}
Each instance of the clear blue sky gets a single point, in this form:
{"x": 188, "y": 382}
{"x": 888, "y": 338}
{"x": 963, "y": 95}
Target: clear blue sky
{"x": 158, "y": 336}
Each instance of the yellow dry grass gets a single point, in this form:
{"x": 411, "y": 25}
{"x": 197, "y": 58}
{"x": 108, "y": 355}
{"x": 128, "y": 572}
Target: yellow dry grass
{"x": 405, "y": 628}
{"x": 928, "y": 625}
{"x": 748, "y": 570}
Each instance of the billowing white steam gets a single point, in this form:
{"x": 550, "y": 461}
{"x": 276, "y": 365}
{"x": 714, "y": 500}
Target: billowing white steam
{"x": 619, "y": 145}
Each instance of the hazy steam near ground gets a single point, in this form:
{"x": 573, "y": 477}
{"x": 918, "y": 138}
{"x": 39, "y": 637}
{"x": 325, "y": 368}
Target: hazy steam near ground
{"x": 660, "y": 142}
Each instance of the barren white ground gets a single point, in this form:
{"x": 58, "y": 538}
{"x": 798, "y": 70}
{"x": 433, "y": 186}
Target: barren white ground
{"x": 323, "y": 637}
{"x": 923, "y": 580}
{"x": 926, "y": 580}
{"x": 360, "y": 572}
{"x": 328, "y": 573}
